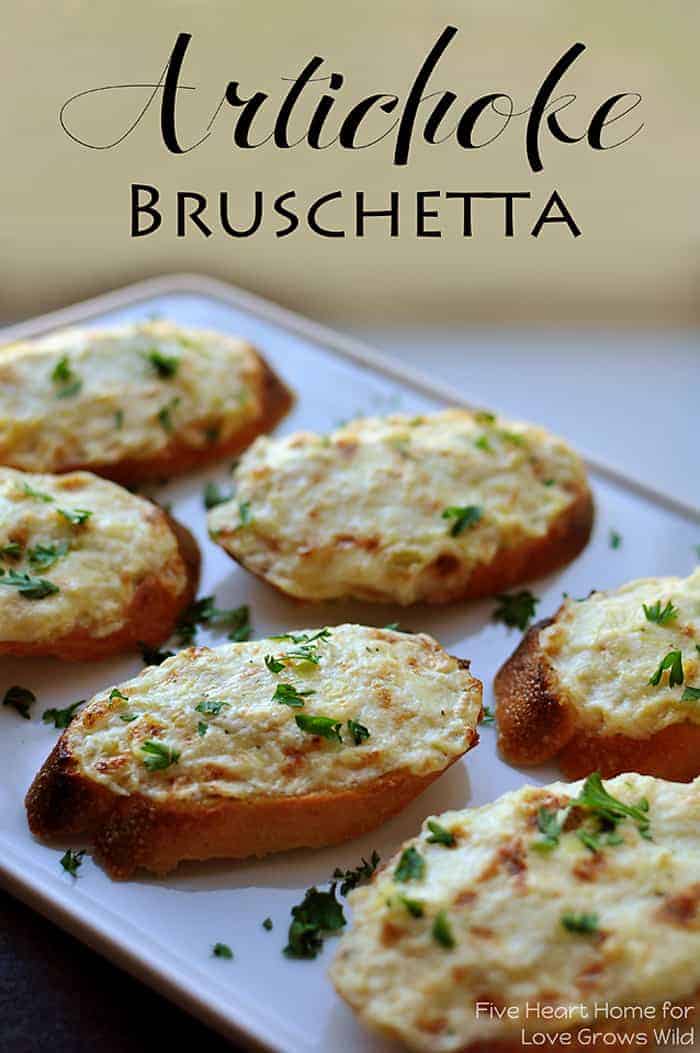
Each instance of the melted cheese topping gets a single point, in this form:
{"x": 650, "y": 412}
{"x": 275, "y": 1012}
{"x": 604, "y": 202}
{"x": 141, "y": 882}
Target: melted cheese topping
{"x": 419, "y": 705}
{"x": 96, "y": 397}
{"x": 360, "y": 512}
{"x": 503, "y": 903}
{"x": 604, "y": 651}
{"x": 98, "y": 565}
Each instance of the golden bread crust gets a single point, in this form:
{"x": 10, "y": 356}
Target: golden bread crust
{"x": 133, "y": 832}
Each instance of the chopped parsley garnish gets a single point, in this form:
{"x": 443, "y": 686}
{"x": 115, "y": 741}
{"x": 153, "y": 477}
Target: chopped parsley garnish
{"x": 352, "y": 878}
{"x": 595, "y": 841}
{"x": 302, "y": 654}
{"x": 411, "y": 865}
{"x": 12, "y": 550}
{"x": 210, "y": 707}
{"x": 439, "y": 835}
{"x": 605, "y": 810}
{"x": 595, "y": 797}
{"x": 27, "y": 586}
{"x": 303, "y": 638}
{"x": 44, "y": 556}
{"x": 61, "y": 373}
{"x": 513, "y": 437}
{"x": 214, "y": 496}
{"x": 118, "y": 419}
{"x": 442, "y": 931}
{"x": 614, "y": 539}
{"x": 221, "y": 950}
{"x": 165, "y": 418}
{"x": 71, "y": 860}
{"x": 38, "y": 495}
{"x": 202, "y": 727}
{"x": 674, "y": 663}
{"x": 205, "y": 612}
{"x": 488, "y": 717}
{"x": 549, "y": 823}
{"x": 267, "y": 924}
{"x": 358, "y": 731}
{"x": 326, "y": 727}
{"x": 70, "y": 389}
{"x": 484, "y": 417}
{"x": 212, "y": 433}
{"x": 318, "y": 914}
{"x": 288, "y": 695}
{"x": 394, "y": 626}
{"x": 67, "y": 382}
{"x": 152, "y": 656}
{"x": 516, "y": 609}
{"x": 166, "y": 366}
{"x": 61, "y": 718}
{"x": 115, "y": 695}
{"x": 158, "y": 755}
{"x": 244, "y": 515}
{"x": 464, "y": 517}
{"x": 128, "y": 717}
{"x": 482, "y": 443}
{"x": 691, "y": 694}
{"x": 273, "y": 664}
{"x": 19, "y": 698}
{"x": 585, "y": 924}
{"x": 75, "y": 516}
{"x": 654, "y": 612}
{"x": 413, "y": 906}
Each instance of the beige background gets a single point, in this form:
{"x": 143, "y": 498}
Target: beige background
{"x": 65, "y": 224}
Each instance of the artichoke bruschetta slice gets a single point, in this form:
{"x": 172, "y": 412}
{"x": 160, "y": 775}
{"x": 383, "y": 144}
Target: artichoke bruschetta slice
{"x": 514, "y": 925}
{"x": 133, "y": 402}
{"x": 610, "y": 683}
{"x": 302, "y": 740}
{"x": 433, "y": 508}
{"x": 87, "y": 569}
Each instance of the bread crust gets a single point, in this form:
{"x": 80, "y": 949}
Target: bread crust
{"x": 536, "y": 721}
{"x": 533, "y": 558}
{"x": 178, "y": 457}
{"x": 150, "y": 618}
{"x": 132, "y": 832}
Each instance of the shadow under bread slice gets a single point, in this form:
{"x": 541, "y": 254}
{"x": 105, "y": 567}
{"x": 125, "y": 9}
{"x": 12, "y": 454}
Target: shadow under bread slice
{"x": 133, "y": 402}
{"x": 302, "y": 740}
{"x": 610, "y": 683}
{"x": 407, "y": 509}
{"x": 87, "y": 569}
{"x": 515, "y": 924}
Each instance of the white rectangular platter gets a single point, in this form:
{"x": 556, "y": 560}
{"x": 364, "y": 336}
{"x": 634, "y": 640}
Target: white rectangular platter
{"x": 162, "y": 931}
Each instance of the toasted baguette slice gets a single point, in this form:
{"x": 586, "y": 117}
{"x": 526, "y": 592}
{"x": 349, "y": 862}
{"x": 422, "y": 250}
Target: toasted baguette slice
{"x": 233, "y": 773}
{"x": 580, "y": 684}
{"x": 448, "y": 937}
{"x": 87, "y": 569}
{"x": 133, "y": 403}
{"x": 453, "y": 505}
